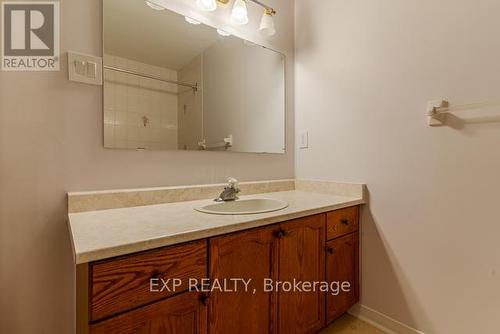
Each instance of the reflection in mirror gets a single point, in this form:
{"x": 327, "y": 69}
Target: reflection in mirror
{"x": 172, "y": 84}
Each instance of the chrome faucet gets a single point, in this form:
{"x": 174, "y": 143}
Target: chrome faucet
{"x": 229, "y": 192}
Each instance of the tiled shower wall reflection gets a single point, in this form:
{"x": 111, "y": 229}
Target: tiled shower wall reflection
{"x": 139, "y": 112}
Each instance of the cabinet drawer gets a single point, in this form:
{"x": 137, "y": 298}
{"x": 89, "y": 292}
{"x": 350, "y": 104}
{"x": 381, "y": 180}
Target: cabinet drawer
{"x": 184, "y": 313}
{"x": 341, "y": 222}
{"x": 123, "y": 283}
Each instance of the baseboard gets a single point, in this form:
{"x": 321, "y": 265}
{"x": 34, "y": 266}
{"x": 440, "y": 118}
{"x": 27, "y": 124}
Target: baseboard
{"x": 381, "y": 321}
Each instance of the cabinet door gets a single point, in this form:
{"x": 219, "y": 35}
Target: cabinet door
{"x": 181, "y": 314}
{"x": 247, "y": 255}
{"x": 302, "y": 258}
{"x": 342, "y": 266}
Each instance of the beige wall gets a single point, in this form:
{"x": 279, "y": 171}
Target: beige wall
{"x": 51, "y": 142}
{"x": 364, "y": 73}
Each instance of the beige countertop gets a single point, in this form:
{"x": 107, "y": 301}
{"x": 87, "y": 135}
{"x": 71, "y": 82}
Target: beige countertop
{"x": 102, "y": 234}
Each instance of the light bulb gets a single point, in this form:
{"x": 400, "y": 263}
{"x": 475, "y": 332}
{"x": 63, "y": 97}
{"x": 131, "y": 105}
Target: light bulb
{"x": 190, "y": 20}
{"x": 223, "y": 33}
{"x": 207, "y": 5}
{"x": 239, "y": 14}
{"x": 153, "y": 5}
{"x": 267, "y": 23}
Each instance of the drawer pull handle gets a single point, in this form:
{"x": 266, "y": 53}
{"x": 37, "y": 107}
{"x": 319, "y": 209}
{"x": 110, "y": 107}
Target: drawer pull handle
{"x": 330, "y": 250}
{"x": 345, "y": 222}
{"x": 155, "y": 274}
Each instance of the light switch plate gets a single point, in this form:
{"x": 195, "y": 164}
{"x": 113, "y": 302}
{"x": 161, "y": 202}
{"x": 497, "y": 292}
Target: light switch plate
{"x": 91, "y": 70}
{"x": 304, "y": 139}
{"x": 84, "y": 68}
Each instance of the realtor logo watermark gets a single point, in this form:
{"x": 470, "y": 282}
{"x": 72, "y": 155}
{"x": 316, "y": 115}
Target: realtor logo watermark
{"x": 30, "y": 36}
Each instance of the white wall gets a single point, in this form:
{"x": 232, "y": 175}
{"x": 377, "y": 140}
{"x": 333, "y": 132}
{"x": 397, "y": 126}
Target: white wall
{"x": 364, "y": 72}
{"x": 51, "y": 142}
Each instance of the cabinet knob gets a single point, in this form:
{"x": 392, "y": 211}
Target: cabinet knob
{"x": 330, "y": 250}
{"x": 204, "y": 299}
{"x": 155, "y": 274}
{"x": 345, "y": 222}
{"x": 280, "y": 233}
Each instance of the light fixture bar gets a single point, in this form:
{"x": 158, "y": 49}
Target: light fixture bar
{"x": 266, "y": 7}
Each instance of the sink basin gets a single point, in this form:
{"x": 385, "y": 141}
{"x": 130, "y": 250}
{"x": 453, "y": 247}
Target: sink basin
{"x": 244, "y": 206}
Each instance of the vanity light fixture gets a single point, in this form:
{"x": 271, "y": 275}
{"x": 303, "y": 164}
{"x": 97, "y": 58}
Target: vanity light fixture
{"x": 223, "y": 33}
{"x": 267, "y": 23}
{"x": 207, "y": 5}
{"x": 192, "y": 21}
{"x": 239, "y": 14}
{"x": 153, "y": 5}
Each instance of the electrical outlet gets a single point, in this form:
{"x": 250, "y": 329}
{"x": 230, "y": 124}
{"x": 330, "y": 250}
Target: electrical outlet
{"x": 304, "y": 139}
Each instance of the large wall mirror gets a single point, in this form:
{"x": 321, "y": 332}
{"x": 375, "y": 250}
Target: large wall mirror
{"x": 170, "y": 84}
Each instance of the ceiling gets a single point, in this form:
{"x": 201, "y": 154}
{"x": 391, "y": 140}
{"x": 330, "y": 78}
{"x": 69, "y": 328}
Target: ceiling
{"x": 163, "y": 38}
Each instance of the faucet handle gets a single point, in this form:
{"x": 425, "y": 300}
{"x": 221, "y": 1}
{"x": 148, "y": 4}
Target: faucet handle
{"x": 232, "y": 183}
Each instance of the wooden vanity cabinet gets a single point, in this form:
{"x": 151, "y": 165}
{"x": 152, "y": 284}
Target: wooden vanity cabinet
{"x": 184, "y": 314}
{"x": 285, "y": 252}
{"x": 342, "y": 222}
{"x": 302, "y": 258}
{"x": 247, "y": 255}
{"x": 342, "y": 260}
{"x": 113, "y": 295}
{"x": 342, "y": 265}
{"x": 123, "y": 283}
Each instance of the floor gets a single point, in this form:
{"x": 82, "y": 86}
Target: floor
{"x": 348, "y": 324}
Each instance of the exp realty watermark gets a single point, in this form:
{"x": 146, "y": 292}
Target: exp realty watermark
{"x": 246, "y": 285}
{"x": 30, "y": 36}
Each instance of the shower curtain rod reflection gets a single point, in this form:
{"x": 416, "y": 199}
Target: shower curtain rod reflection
{"x": 180, "y": 83}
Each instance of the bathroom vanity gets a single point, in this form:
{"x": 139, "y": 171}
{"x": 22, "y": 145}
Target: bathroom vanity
{"x": 189, "y": 278}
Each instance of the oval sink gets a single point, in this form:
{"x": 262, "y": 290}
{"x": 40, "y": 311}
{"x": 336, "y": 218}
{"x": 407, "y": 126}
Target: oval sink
{"x": 244, "y": 206}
